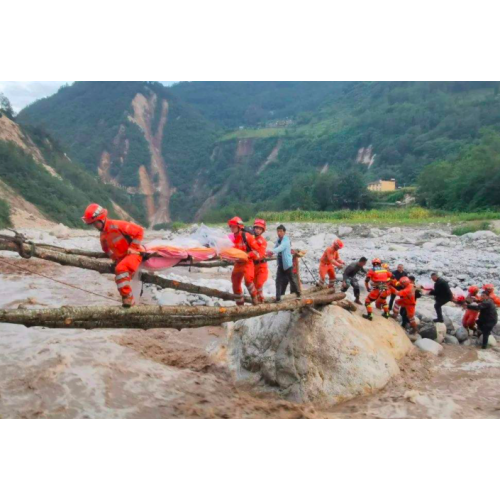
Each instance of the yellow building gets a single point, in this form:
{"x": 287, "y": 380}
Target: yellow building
{"x": 382, "y": 186}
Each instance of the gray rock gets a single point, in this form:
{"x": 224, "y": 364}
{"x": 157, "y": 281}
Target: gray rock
{"x": 316, "y": 358}
{"x": 344, "y": 231}
{"x": 461, "y": 334}
{"x": 429, "y": 345}
{"x": 450, "y": 339}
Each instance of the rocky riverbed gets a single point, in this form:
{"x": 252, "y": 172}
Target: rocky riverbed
{"x": 71, "y": 373}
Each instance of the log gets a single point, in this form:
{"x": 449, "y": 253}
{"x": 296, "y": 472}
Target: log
{"x": 102, "y": 267}
{"x": 146, "y": 317}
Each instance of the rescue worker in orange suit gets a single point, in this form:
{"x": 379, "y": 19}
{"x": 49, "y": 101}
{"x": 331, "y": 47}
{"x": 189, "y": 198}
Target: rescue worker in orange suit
{"x": 407, "y": 300}
{"x": 391, "y": 281}
{"x": 261, "y": 270}
{"x": 377, "y": 285}
{"x": 491, "y": 293}
{"x": 122, "y": 242}
{"x": 470, "y": 316}
{"x": 328, "y": 262}
{"x": 244, "y": 270}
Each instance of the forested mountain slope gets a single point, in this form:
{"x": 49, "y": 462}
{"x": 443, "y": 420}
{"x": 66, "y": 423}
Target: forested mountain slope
{"x": 40, "y": 183}
{"x": 201, "y": 147}
{"x": 136, "y": 135}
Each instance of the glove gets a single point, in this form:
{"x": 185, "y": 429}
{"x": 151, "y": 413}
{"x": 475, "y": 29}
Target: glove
{"x": 133, "y": 251}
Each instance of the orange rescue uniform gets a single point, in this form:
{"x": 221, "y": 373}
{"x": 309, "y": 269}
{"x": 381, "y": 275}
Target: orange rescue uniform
{"x": 470, "y": 316}
{"x": 261, "y": 271}
{"x": 407, "y": 300}
{"x": 327, "y": 264}
{"x": 122, "y": 242}
{"x": 379, "y": 278}
{"x": 244, "y": 270}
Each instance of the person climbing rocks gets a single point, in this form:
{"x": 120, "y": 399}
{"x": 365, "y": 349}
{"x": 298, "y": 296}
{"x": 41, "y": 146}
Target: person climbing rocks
{"x": 350, "y": 277}
{"x": 397, "y": 275}
{"x": 284, "y": 274}
{"x": 122, "y": 242}
{"x": 418, "y": 294}
{"x": 261, "y": 270}
{"x": 442, "y": 295}
{"x": 329, "y": 261}
{"x": 470, "y": 316}
{"x": 244, "y": 270}
{"x": 488, "y": 316}
{"x": 376, "y": 283}
{"x": 407, "y": 300}
{"x": 491, "y": 291}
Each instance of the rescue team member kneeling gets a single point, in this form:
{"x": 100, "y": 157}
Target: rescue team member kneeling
{"x": 122, "y": 242}
{"x": 350, "y": 277}
{"x": 378, "y": 290}
{"x": 244, "y": 270}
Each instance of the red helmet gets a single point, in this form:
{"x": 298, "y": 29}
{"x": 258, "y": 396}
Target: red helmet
{"x": 94, "y": 212}
{"x": 338, "y": 243}
{"x": 376, "y": 262}
{"x": 488, "y": 287}
{"x": 260, "y": 223}
{"x": 405, "y": 280}
{"x": 235, "y": 221}
{"x": 473, "y": 289}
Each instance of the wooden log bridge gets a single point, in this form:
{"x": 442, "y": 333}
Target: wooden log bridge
{"x": 25, "y": 249}
{"x": 146, "y": 317}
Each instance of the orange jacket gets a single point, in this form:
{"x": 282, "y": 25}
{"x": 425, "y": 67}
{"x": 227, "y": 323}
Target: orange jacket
{"x": 260, "y": 248}
{"x": 331, "y": 257}
{"x": 495, "y": 299}
{"x": 119, "y": 236}
{"x": 407, "y": 295}
{"x": 378, "y": 275}
{"x": 251, "y": 246}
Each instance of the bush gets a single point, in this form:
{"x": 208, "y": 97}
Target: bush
{"x": 471, "y": 228}
{"x": 4, "y": 215}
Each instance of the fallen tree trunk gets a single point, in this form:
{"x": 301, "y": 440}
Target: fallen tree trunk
{"x": 145, "y": 317}
{"x": 103, "y": 267}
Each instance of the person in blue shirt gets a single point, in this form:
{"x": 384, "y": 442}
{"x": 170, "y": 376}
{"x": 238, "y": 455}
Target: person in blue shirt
{"x": 282, "y": 249}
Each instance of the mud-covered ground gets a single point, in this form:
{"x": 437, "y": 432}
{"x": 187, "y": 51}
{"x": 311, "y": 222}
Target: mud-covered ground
{"x": 47, "y": 373}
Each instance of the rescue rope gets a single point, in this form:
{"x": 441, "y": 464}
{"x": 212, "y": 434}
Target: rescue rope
{"x": 57, "y": 281}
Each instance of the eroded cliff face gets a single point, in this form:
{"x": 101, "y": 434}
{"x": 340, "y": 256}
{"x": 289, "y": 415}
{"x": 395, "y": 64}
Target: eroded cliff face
{"x": 150, "y": 114}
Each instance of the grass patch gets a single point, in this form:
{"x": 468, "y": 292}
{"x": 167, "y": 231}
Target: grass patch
{"x": 260, "y": 133}
{"x": 415, "y": 215}
{"x": 171, "y": 226}
{"x": 4, "y": 215}
{"x": 471, "y": 228}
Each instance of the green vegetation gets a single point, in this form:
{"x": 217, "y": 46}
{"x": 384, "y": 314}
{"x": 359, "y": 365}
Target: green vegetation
{"x": 232, "y": 104}
{"x": 471, "y": 182}
{"x": 4, "y": 215}
{"x": 171, "y": 226}
{"x": 60, "y": 200}
{"x": 342, "y": 136}
{"x": 254, "y": 133}
{"x": 416, "y": 215}
{"x": 471, "y": 228}
{"x": 5, "y": 107}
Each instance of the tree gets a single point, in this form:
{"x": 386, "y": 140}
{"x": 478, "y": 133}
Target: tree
{"x": 5, "y": 107}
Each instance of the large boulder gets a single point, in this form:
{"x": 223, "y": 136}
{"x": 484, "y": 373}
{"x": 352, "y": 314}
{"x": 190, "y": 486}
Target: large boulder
{"x": 307, "y": 357}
